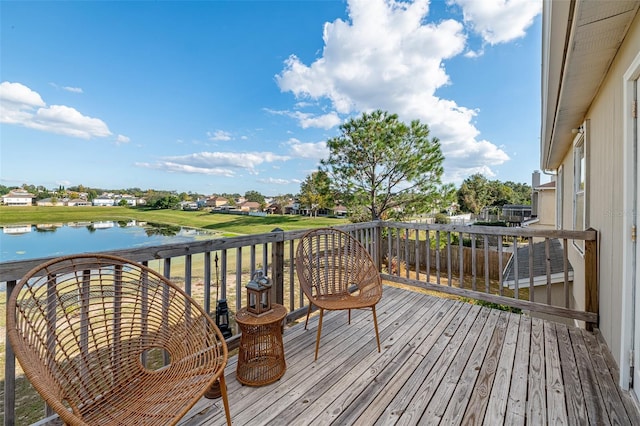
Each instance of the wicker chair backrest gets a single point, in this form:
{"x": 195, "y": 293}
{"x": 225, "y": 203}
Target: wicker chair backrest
{"x": 82, "y": 327}
{"x": 330, "y": 262}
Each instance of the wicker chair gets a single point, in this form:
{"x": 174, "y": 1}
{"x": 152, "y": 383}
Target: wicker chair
{"x": 86, "y": 329}
{"x": 337, "y": 273}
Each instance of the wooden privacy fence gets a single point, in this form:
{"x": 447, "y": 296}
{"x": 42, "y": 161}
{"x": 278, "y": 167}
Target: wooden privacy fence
{"x": 442, "y": 258}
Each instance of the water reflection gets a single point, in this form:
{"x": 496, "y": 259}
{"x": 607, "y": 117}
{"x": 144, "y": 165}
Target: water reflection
{"x": 21, "y": 242}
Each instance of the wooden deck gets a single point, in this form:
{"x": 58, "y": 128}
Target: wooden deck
{"x": 442, "y": 362}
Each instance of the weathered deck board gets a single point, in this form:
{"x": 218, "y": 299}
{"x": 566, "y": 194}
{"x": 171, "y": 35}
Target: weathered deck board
{"x": 442, "y": 362}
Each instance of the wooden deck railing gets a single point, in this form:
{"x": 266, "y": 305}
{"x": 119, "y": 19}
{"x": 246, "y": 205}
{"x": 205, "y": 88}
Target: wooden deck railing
{"x": 400, "y": 249}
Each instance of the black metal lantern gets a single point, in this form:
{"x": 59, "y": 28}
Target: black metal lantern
{"x": 222, "y": 318}
{"x": 259, "y": 294}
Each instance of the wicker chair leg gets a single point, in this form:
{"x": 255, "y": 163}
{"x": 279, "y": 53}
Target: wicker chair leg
{"x": 225, "y": 399}
{"x": 308, "y": 313}
{"x": 349, "y": 316}
{"x": 319, "y": 332}
{"x": 375, "y": 325}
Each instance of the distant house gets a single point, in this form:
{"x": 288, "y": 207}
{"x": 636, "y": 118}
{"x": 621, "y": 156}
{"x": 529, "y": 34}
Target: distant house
{"x": 78, "y": 202}
{"x": 103, "y": 201}
{"x": 189, "y": 205}
{"x": 18, "y": 197}
{"x": 340, "y": 211}
{"x": 249, "y": 206}
{"x": 130, "y": 200}
{"x": 216, "y": 202}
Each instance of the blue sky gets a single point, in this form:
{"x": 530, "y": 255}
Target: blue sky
{"x": 223, "y": 97}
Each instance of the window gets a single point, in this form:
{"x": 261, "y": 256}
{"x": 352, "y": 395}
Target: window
{"x": 579, "y": 180}
{"x": 559, "y": 197}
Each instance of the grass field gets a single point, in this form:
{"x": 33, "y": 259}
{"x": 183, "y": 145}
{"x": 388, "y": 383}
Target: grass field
{"x": 226, "y": 223}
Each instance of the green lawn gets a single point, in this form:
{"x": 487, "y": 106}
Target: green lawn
{"x": 227, "y": 223}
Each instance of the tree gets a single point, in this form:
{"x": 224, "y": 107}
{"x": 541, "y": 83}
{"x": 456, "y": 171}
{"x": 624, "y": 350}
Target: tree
{"x": 473, "y": 194}
{"x": 315, "y": 192}
{"x": 477, "y": 192}
{"x": 254, "y": 196}
{"x": 383, "y": 164}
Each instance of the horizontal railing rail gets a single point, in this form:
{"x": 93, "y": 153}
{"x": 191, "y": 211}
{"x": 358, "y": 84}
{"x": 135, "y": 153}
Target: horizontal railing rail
{"x": 464, "y": 261}
{"x": 459, "y": 262}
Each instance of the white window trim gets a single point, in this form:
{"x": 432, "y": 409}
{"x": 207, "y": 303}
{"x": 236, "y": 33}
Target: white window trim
{"x": 559, "y": 196}
{"x": 579, "y": 168}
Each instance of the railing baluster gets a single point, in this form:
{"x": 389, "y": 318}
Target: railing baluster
{"x": 548, "y": 265}
{"x": 223, "y": 275}
{"x": 438, "y": 257}
{"x": 252, "y": 262}
{"x": 428, "y": 257}
{"x": 165, "y": 305}
{"x": 207, "y": 282}
{"x": 515, "y": 268}
{"x": 461, "y": 260}
{"x": 449, "y": 257}
{"x": 486, "y": 264}
{"x": 417, "y": 254}
{"x": 531, "y": 271}
{"x": 565, "y": 267}
{"x": 406, "y": 251}
{"x": 473, "y": 263}
{"x": 239, "y": 278}
{"x": 9, "y": 370}
{"x": 500, "y": 266}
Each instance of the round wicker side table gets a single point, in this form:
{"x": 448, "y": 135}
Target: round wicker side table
{"x": 261, "y": 352}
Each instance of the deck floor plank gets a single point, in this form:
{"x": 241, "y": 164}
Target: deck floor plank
{"x": 442, "y": 362}
{"x": 536, "y": 403}
{"x": 337, "y": 396}
{"x": 375, "y": 397}
{"x": 480, "y": 396}
{"x": 443, "y": 394}
{"x": 574, "y": 398}
{"x": 516, "y": 403}
{"x": 497, "y": 406}
{"x": 556, "y": 408}
{"x": 590, "y": 388}
{"x": 464, "y": 389}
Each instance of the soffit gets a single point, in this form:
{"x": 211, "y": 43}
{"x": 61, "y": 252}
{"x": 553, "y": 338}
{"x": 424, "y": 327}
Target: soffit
{"x": 593, "y": 35}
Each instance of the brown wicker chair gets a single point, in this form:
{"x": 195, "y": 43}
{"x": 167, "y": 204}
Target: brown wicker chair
{"x": 86, "y": 329}
{"x": 337, "y": 273}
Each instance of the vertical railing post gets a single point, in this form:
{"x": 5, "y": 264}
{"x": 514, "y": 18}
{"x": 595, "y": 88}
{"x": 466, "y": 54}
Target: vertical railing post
{"x": 377, "y": 241}
{"x": 9, "y": 371}
{"x": 591, "y": 277}
{"x": 277, "y": 266}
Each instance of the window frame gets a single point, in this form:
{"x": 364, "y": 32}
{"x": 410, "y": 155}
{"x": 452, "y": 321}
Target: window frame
{"x": 579, "y": 186}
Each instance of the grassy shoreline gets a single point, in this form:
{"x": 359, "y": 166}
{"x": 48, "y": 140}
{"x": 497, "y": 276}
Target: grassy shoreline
{"x": 225, "y": 223}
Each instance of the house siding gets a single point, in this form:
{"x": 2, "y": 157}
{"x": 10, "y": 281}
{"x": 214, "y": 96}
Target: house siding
{"x": 604, "y": 195}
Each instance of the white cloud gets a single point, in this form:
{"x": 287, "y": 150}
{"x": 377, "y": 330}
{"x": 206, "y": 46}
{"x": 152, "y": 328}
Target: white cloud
{"x": 275, "y": 181}
{"x": 306, "y": 120}
{"x": 122, "y": 139}
{"x": 73, "y": 89}
{"x": 499, "y": 21}
{"x": 216, "y": 163}
{"x": 388, "y": 55}
{"x": 219, "y": 135}
{"x": 22, "y": 106}
{"x": 317, "y": 150}
{"x": 68, "y": 88}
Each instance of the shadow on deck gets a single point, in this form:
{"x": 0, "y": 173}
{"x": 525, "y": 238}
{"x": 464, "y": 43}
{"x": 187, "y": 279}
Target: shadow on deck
{"x": 442, "y": 362}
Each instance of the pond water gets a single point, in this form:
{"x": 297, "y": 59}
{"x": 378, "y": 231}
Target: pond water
{"x": 23, "y": 242}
